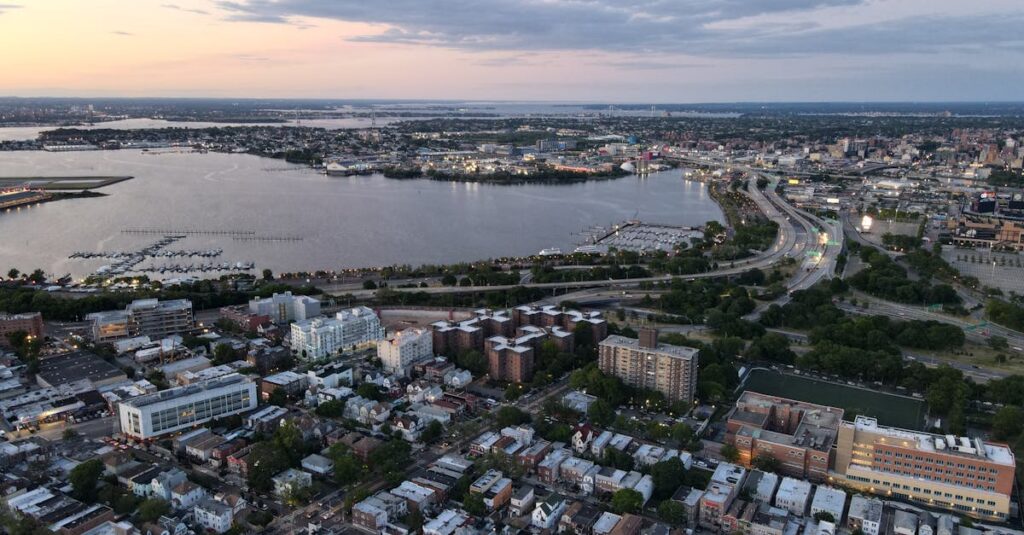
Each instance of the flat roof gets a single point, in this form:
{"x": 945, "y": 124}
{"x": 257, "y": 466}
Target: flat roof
{"x": 667, "y": 350}
{"x": 951, "y": 445}
{"x": 75, "y": 366}
{"x": 184, "y": 391}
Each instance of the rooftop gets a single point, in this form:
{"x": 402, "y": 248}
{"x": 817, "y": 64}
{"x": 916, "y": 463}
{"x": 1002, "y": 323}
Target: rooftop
{"x": 75, "y": 366}
{"x": 945, "y": 444}
{"x": 668, "y": 350}
{"x": 184, "y": 391}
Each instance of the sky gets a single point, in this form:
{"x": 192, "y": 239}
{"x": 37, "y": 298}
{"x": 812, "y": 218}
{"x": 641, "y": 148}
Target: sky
{"x": 659, "y": 51}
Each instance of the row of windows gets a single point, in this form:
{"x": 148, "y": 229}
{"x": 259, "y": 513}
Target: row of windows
{"x": 939, "y": 462}
{"x": 199, "y": 410}
{"x": 927, "y": 491}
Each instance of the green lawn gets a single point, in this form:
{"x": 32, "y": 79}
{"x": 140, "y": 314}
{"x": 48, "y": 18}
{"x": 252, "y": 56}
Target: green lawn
{"x": 897, "y": 411}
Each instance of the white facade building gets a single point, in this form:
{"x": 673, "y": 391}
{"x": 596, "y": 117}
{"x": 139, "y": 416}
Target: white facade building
{"x": 213, "y": 515}
{"x": 285, "y": 307}
{"x": 400, "y": 351}
{"x": 321, "y": 337}
{"x": 829, "y": 500}
{"x": 184, "y": 407}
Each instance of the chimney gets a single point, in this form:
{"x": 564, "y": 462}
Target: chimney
{"x": 648, "y": 338}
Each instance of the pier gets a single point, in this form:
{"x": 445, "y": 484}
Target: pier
{"x": 245, "y": 235}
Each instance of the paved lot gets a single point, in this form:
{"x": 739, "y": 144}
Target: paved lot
{"x": 1007, "y": 274}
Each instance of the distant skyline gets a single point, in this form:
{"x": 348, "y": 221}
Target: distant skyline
{"x": 553, "y": 50}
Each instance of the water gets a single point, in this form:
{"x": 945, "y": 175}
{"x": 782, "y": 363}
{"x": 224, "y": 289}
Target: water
{"x": 24, "y": 133}
{"x": 343, "y": 221}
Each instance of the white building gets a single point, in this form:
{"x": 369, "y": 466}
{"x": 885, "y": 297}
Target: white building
{"x": 793, "y": 495}
{"x": 547, "y": 513}
{"x": 318, "y": 464}
{"x": 290, "y": 481}
{"x": 282, "y": 308}
{"x": 829, "y": 500}
{"x": 213, "y": 515}
{"x": 403, "y": 349}
{"x": 458, "y": 378}
{"x": 186, "y": 494}
{"x": 522, "y": 500}
{"x": 446, "y": 523}
{"x": 866, "y": 515}
{"x": 184, "y": 407}
{"x": 321, "y": 337}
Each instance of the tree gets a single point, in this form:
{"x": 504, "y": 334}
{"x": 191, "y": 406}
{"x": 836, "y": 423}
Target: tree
{"x": 672, "y": 512}
{"x": 369, "y": 285}
{"x": 278, "y": 397}
{"x": 601, "y": 413}
{"x": 1008, "y": 422}
{"x": 331, "y": 409}
{"x": 667, "y": 476}
{"x": 223, "y": 354}
{"x": 618, "y": 458}
{"x": 83, "y": 479}
{"x": 472, "y": 360}
{"x": 37, "y": 277}
{"x": 288, "y": 443}
{"x": 449, "y": 280}
{"x": 766, "y": 463}
{"x": 433, "y": 432}
{"x": 13, "y": 274}
{"x": 730, "y": 453}
{"x": 347, "y": 469}
{"x": 627, "y": 501}
{"x": 153, "y": 509}
{"x": 266, "y": 463}
{"x": 511, "y": 416}
{"x": 370, "y": 391}
{"x": 474, "y": 504}
{"x": 999, "y": 343}
{"x": 824, "y": 515}
{"x": 268, "y": 275}
{"x": 683, "y": 434}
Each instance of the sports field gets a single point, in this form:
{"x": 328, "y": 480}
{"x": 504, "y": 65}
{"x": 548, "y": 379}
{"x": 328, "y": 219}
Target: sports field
{"x": 898, "y": 411}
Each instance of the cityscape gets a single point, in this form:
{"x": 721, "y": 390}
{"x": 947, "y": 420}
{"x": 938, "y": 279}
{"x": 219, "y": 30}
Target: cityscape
{"x": 511, "y": 268}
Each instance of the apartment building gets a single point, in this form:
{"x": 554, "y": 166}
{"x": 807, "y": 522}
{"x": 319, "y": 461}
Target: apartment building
{"x": 451, "y": 338}
{"x": 143, "y": 317}
{"x": 399, "y": 352}
{"x": 645, "y": 363}
{"x": 969, "y": 476}
{"x": 553, "y": 316}
{"x": 181, "y": 408}
{"x": 31, "y": 323}
{"x": 321, "y": 337}
{"x": 798, "y": 435}
{"x": 285, "y": 307}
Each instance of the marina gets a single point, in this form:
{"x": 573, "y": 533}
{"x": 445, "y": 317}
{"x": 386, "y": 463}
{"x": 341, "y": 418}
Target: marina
{"x": 128, "y": 262}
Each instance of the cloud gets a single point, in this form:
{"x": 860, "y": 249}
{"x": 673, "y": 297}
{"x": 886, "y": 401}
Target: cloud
{"x": 185, "y": 9}
{"x": 119, "y": 32}
{"x": 710, "y": 28}
{"x": 8, "y": 7}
